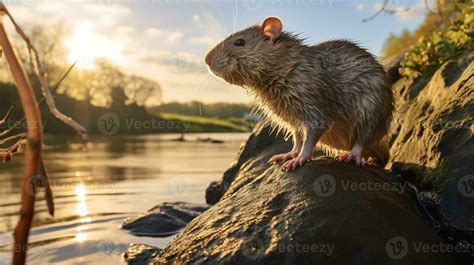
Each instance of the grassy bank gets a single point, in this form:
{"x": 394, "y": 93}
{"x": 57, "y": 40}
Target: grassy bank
{"x": 208, "y": 124}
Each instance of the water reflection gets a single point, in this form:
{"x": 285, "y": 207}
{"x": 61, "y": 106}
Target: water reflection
{"x": 97, "y": 187}
{"x": 120, "y": 174}
{"x": 81, "y": 237}
{"x": 81, "y": 200}
{"x": 82, "y": 211}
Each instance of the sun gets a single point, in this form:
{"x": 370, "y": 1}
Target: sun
{"x": 85, "y": 46}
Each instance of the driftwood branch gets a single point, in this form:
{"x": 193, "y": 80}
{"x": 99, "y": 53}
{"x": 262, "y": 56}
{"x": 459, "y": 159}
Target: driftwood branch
{"x": 35, "y": 174}
{"x": 40, "y": 72}
{"x": 32, "y": 149}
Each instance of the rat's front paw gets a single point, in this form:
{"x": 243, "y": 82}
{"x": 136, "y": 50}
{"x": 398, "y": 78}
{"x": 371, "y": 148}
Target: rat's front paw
{"x": 283, "y": 157}
{"x": 294, "y": 163}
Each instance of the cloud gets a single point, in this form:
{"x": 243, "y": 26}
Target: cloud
{"x": 415, "y": 12}
{"x": 204, "y": 40}
{"x": 404, "y": 12}
{"x": 360, "y": 6}
{"x": 155, "y": 44}
{"x": 376, "y": 7}
{"x": 170, "y": 36}
{"x": 178, "y": 62}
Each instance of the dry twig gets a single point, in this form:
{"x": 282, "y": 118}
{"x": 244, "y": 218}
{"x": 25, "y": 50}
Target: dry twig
{"x": 40, "y": 72}
{"x": 8, "y": 139}
{"x": 6, "y": 153}
{"x": 4, "y": 120}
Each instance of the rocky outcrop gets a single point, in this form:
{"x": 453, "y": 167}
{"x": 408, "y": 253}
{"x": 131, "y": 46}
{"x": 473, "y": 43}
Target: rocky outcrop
{"x": 163, "y": 220}
{"x": 138, "y": 254}
{"x": 327, "y": 212}
{"x": 261, "y": 140}
{"x": 433, "y": 145}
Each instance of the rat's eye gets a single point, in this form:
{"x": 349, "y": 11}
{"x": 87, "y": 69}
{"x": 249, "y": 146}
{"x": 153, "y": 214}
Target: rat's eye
{"x": 239, "y": 42}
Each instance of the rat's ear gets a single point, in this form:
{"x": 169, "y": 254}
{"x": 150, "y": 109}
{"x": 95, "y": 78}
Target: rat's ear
{"x": 271, "y": 28}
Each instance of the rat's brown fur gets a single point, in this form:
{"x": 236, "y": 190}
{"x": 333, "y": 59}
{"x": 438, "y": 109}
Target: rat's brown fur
{"x": 335, "y": 90}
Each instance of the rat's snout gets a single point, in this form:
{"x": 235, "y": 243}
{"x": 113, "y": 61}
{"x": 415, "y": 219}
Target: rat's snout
{"x": 208, "y": 59}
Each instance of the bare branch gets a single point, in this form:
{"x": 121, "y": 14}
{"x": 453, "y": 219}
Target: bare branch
{"x": 2, "y": 121}
{"x": 6, "y": 154}
{"x": 427, "y": 5}
{"x": 55, "y": 87}
{"x": 385, "y": 9}
{"x": 48, "y": 194}
{"x": 13, "y": 137}
{"x": 40, "y": 72}
{"x": 9, "y": 130}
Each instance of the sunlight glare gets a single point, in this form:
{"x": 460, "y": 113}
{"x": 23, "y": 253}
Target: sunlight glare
{"x": 81, "y": 237}
{"x": 80, "y": 192}
{"x": 85, "y": 46}
{"x": 81, "y": 207}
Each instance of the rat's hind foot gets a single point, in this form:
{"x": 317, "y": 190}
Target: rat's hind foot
{"x": 342, "y": 156}
{"x": 358, "y": 159}
{"x": 283, "y": 157}
{"x": 294, "y": 163}
{"x": 348, "y": 157}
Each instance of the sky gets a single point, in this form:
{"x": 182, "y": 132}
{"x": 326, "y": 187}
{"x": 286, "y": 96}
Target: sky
{"x": 166, "y": 40}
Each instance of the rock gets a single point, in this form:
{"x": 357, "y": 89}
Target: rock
{"x": 163, "y": 220}
{"x": 260, "y": 139}
{"x": 433, "y": 145}
{"x": 138, "y": 254}
{"x": 327, "y": 212}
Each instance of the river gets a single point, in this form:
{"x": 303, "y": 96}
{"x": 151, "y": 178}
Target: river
{"x": 99, "y": 182}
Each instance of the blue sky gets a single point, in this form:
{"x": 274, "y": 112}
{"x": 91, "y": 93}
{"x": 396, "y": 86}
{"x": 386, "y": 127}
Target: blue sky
{"x": 165, "y": 40}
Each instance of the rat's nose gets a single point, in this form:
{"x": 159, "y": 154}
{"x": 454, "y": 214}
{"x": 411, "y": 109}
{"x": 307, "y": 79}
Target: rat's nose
{"x": 208, "y": 59}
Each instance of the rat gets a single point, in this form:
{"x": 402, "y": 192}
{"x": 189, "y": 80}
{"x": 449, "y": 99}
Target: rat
{"x": 335, "y": 92}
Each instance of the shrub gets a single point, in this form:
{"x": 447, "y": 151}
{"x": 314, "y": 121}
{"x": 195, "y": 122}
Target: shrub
{"x": 430, "y": 52}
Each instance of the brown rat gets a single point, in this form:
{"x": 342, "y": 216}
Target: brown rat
{"x": 334, "y": 92}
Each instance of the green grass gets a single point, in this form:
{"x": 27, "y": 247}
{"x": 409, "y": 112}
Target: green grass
{"x": 200, "y": 123}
